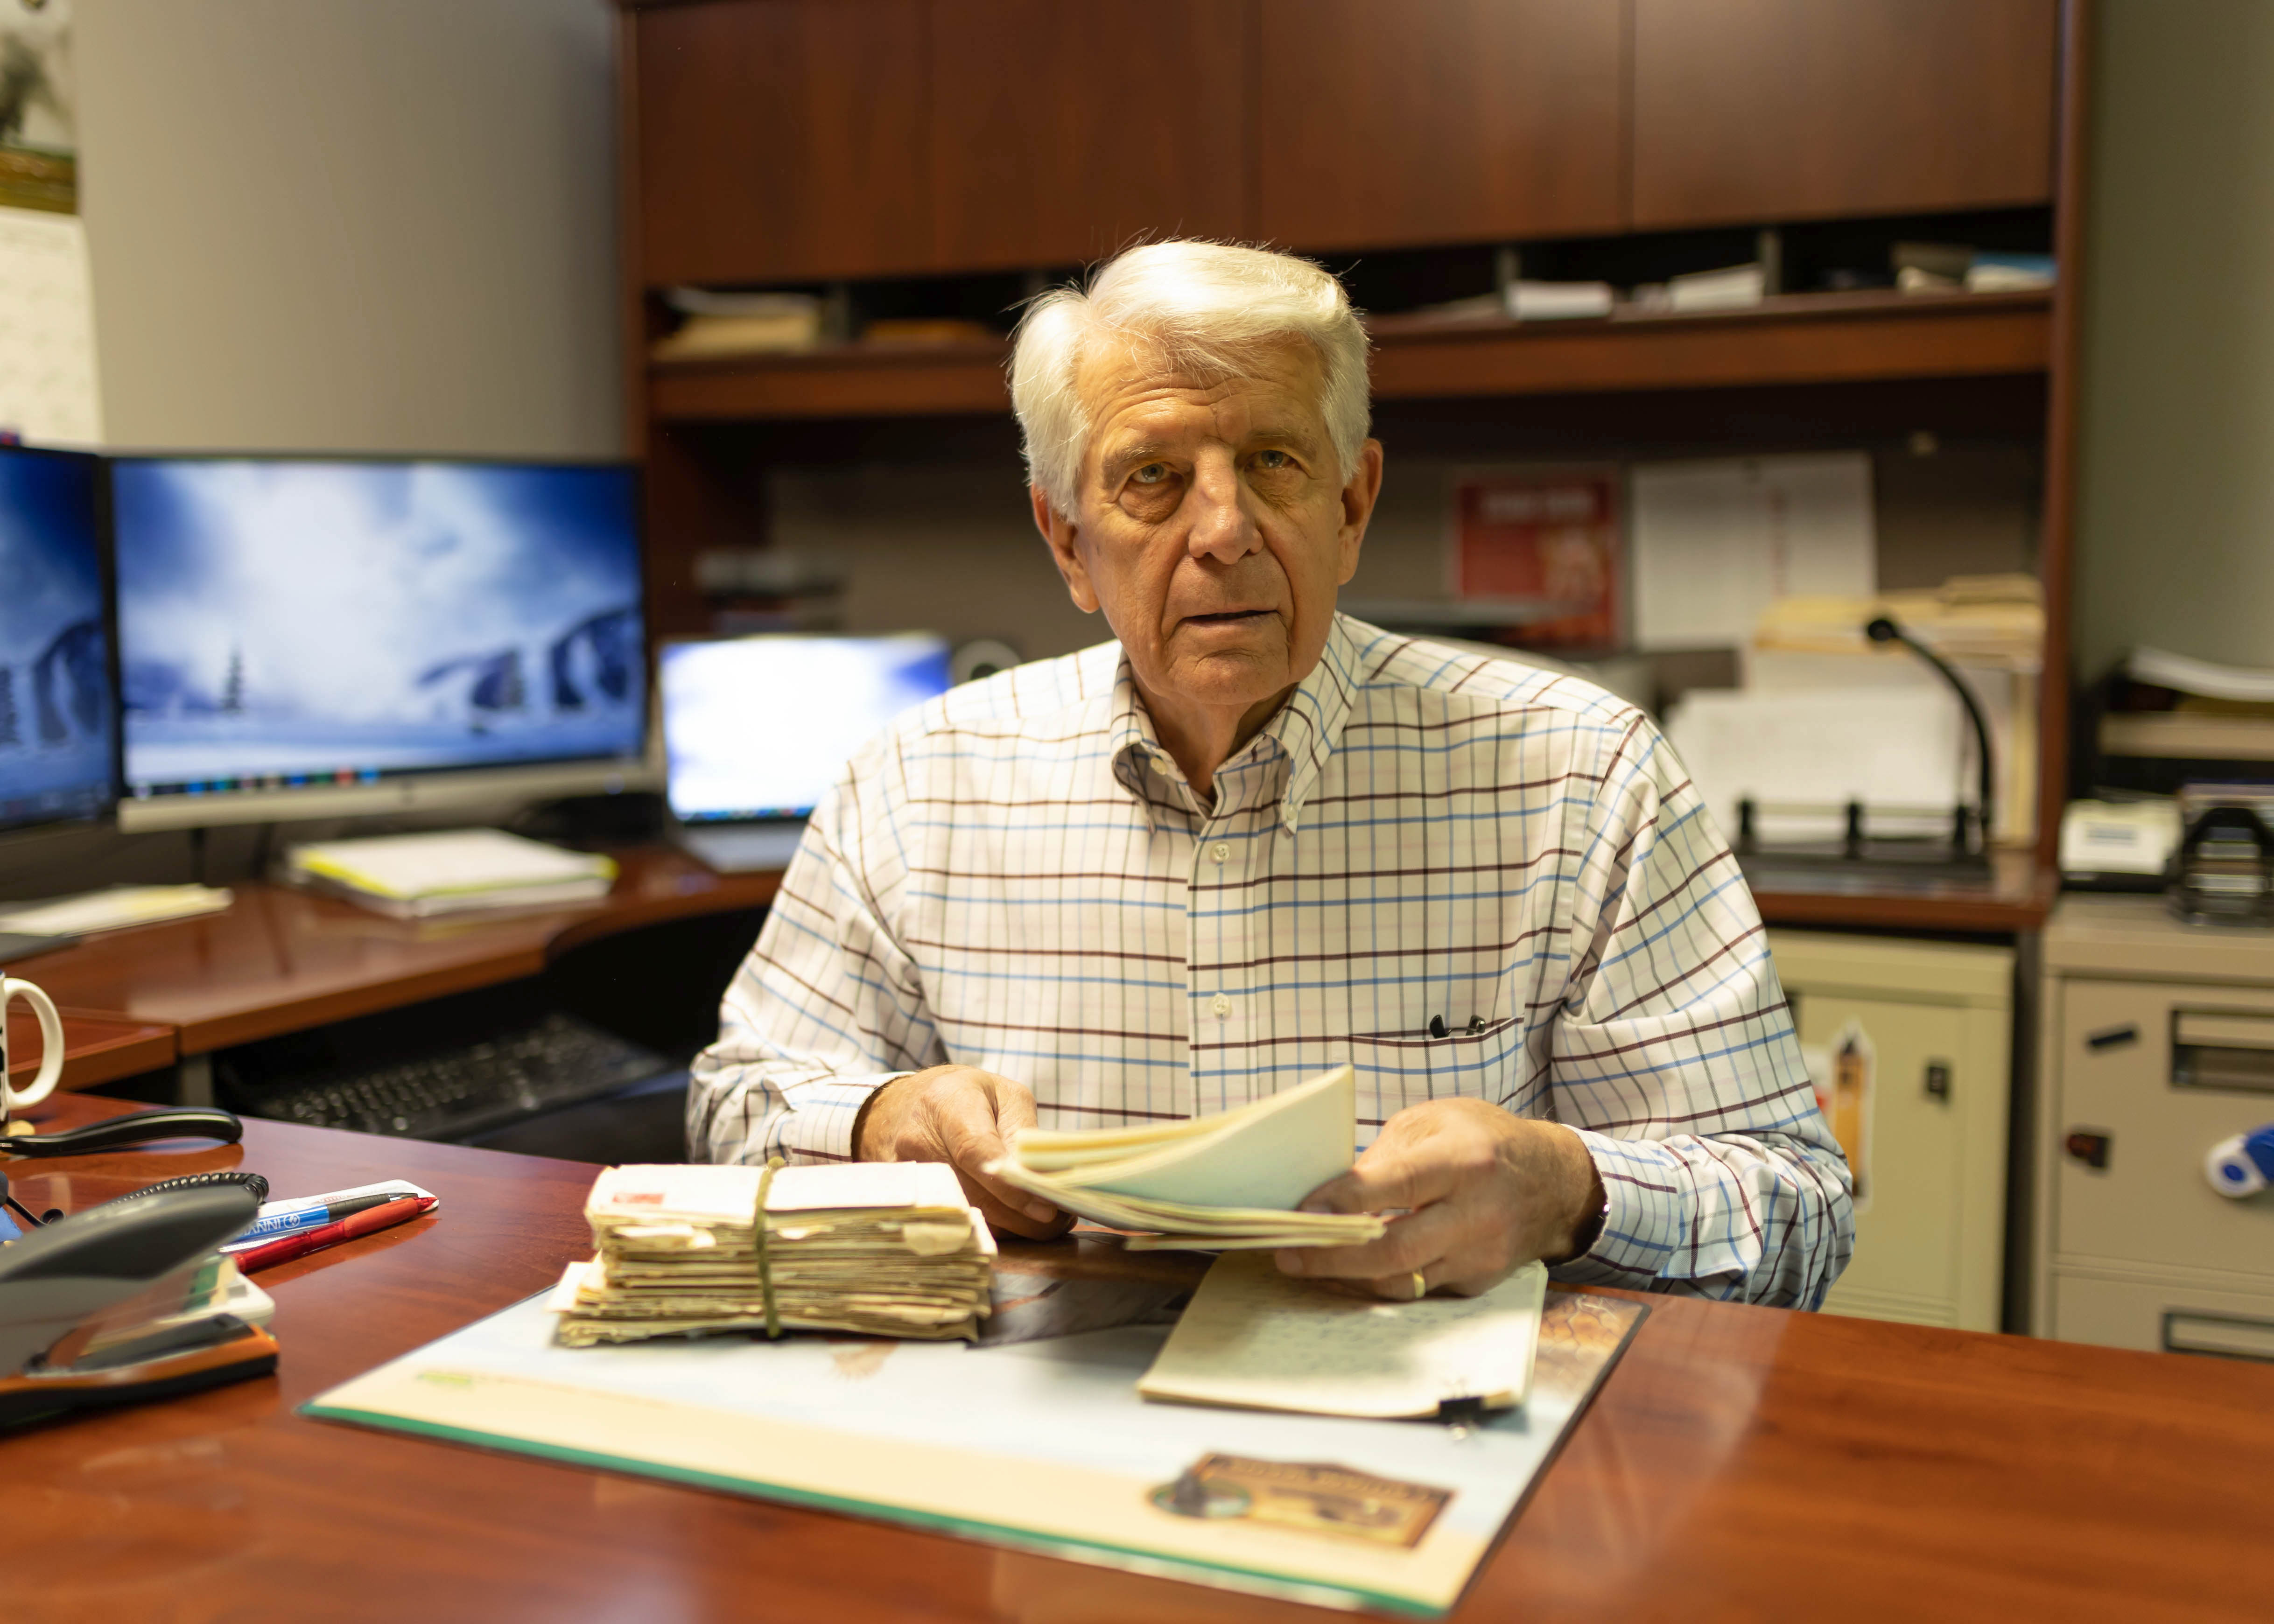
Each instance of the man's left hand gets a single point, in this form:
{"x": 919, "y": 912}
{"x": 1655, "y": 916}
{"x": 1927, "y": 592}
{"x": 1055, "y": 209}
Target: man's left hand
{"x": 1484, "y": 1193}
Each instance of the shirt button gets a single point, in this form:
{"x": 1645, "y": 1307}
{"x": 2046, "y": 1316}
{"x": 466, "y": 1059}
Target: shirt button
{"x": 1220, "y": 851}
{"x": 1221, "y": 1006}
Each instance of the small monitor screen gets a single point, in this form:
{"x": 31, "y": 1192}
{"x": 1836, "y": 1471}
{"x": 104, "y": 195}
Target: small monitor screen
{"x": 762, "y": 727}
{"x": 58, "y": 725}
{"x": 285, "y": 623}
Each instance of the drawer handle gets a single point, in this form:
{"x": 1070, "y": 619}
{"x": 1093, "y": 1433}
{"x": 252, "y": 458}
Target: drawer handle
{"x": 2114, "y": 1037}
{"x": 2087, "y": 1146}
{"x": 2198, "y": 1028}
{"x": 2221, "y": 1335}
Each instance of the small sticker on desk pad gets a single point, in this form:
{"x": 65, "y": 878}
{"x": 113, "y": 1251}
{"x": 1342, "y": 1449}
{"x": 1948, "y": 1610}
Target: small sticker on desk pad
{"x": 1311, "y": 1496}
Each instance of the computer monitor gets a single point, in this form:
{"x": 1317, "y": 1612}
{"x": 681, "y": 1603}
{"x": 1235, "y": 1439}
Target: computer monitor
{"x": 316, "y": 638}
{"x": 760, "y": 728}
{"x": 58, "y": 727}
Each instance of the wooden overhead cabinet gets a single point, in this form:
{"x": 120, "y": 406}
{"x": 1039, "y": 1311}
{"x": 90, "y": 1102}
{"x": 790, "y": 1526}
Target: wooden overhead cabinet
{"x": 1437, "y": 121}
{"x": 1059, "y": 133}
{"x": 1748, "y": 112}
{"x": 780, "y": 140}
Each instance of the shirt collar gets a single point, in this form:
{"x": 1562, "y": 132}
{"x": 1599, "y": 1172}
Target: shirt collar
{"x": 1304, "y": 733}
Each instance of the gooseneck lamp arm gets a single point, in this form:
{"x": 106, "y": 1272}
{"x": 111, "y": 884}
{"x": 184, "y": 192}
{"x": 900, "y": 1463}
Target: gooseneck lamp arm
{"x": 1883, "y": 629}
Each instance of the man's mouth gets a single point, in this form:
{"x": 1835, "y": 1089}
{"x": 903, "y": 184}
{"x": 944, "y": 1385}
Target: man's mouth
{"x": 1228, "y": 617}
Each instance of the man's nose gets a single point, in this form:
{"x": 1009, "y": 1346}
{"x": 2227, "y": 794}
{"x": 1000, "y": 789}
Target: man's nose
{"x": 1222, "y": 529}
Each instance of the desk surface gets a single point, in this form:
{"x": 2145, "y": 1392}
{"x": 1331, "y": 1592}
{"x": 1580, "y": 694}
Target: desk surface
{"x": 1739, "y": 1462}
{"x": 283, "y": 960}
{"x": 97, "y": 1047}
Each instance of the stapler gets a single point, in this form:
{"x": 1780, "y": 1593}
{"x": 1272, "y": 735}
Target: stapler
{"x": 72, "y": 1291}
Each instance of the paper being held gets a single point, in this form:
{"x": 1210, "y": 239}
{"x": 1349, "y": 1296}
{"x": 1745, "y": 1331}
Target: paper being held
{"x": 1229, "y": 1181}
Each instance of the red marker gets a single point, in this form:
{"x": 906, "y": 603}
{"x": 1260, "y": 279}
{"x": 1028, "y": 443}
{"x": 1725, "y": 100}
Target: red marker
{"x": 370, "y": 1220}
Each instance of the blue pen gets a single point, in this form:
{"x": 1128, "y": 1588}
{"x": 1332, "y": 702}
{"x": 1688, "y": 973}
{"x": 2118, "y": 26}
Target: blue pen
{"x": 273, "y": 1225}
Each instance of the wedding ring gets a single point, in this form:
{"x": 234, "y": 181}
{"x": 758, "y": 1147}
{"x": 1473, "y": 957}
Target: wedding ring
{"x": 1420, "y": 1286}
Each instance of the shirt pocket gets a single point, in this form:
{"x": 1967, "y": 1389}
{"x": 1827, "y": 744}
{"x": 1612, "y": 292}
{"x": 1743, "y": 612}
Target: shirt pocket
{"x": 1398, "y": 1068}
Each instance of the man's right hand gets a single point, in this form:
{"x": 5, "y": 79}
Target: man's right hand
{"x": 961, "y": 1115}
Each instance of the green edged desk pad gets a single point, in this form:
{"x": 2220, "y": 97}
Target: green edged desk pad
{"x": 1039, "y": 1446}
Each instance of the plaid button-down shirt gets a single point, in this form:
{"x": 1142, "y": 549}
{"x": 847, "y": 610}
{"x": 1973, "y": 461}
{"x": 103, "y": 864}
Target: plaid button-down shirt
{"x": 1018, "y": 877}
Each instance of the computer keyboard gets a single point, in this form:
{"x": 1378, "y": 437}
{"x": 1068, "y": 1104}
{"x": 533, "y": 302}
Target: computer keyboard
{"x": 553, "y": 1061}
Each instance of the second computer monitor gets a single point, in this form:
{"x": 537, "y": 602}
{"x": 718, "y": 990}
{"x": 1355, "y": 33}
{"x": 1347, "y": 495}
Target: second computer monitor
{"x": 58, "y": 725}
{"x": 761, "y": 727}
{"x": 307, "y": 638}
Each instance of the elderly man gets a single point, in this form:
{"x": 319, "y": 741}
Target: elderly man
{"x": 1252, "y": 839}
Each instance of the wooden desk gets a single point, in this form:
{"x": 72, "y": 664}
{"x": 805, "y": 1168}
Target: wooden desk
{"x": 97, "y": 1047}
{"x": 1740, "y": 1462}
{"x": 283, "y": 960}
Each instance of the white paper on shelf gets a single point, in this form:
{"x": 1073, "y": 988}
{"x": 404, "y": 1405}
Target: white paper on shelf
{"x": 2009, "y": 700}
{"x": 48, "y": 387}
{"x": 2245, "y": 684}
{"x": 1803, "y": 757}
{"x": 1716, "y": 542}
{"x": 1559, "y": 301}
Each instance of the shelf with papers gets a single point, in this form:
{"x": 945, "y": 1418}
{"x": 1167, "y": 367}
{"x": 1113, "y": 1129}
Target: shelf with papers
{"x": 836, "y": 381}
{"x": 2015, "y": 895}
{"x": 1808, "y": 338}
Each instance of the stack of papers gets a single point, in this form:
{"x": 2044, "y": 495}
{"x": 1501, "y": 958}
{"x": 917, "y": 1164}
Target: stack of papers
{"x": 1227, "y": 1181}
{"x": 731, "y": 324}
{"x": 1559, "y": 301}
{"x": 1254, "y": 1338}
{"x": 115, "y": 909}
{"x": 450, "y": 871}
{"x": 883, "y": 1249}
{"x": 1971, "y": 619}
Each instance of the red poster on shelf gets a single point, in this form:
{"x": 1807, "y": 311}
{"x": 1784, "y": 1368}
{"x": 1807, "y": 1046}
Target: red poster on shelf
{"x": 1546, "y": 545}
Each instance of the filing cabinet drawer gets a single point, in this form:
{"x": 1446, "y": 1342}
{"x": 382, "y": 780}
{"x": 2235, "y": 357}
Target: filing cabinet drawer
{"x": 2161, "y": 1073}
{"x": 2163, "y": 1318}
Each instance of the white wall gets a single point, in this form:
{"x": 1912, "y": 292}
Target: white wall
{"x": 362, "y": 225}
{"x": 2175, "y": 531}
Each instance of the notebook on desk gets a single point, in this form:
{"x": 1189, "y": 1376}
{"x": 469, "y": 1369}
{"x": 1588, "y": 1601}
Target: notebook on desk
{"x": 757, "y": 729}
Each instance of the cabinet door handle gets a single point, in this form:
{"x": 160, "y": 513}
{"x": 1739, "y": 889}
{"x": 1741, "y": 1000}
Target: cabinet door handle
{"x": 2224, "y": 1335}
{"x": 1938, "y": 1079}
{"x": 2112, "y": 1037}
{"x": 2088, "y": 1147}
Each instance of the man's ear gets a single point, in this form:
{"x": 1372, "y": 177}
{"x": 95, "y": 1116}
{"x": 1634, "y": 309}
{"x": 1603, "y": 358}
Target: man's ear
{"x": 1060, "y": 532}
{"x": 1359, "y": 497}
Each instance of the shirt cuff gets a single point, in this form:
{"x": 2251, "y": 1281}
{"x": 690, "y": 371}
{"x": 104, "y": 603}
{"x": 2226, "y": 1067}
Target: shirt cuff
{"x": 1641, "y": 1185}
{"x": 818, "y": 1125}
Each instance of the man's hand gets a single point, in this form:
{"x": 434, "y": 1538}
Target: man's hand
{"x": 1486, "y": 1192}
{"x": 961, "y": 1115}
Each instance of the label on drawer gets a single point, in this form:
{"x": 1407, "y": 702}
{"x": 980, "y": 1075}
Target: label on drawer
{"x": 1846, "y": 1074}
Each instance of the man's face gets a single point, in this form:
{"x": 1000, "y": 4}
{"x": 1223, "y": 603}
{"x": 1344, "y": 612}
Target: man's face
{"x": 1210, "y": 525}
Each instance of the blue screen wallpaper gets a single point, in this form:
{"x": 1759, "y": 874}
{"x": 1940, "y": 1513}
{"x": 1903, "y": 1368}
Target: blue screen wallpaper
{"x": 56, "y": 715}
{"x": 288, "y": 622}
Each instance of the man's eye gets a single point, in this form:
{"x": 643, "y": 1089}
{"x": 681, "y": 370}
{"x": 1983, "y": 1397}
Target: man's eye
{"x": 1152, "y": 473}
{"x": 1274, "y": 459}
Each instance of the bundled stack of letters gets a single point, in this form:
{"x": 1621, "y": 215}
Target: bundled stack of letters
{"x": 885, "y": 1249}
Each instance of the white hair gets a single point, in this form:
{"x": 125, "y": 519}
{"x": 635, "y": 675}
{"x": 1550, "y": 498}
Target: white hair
{"x": 1210, "y": 310}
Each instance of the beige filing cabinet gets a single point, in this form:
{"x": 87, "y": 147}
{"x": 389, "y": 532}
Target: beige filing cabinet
{"x": 2159, "y": 1044}
{"x": 1911, "y": 1043}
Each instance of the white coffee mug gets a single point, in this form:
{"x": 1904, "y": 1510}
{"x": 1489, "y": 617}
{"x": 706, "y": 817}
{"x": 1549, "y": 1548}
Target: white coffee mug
{"x": 51, "y": 1046}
